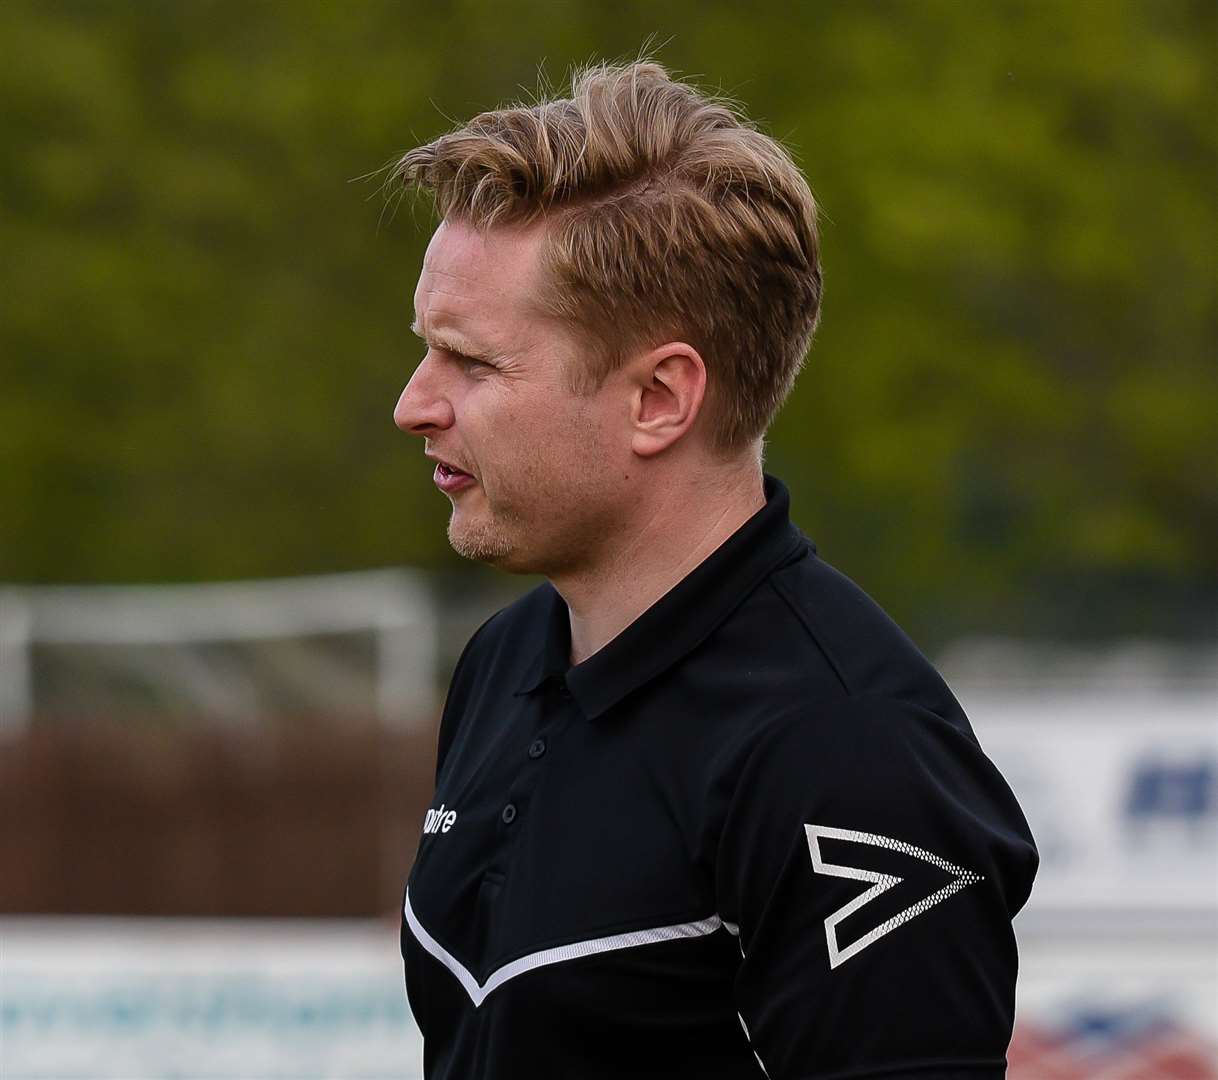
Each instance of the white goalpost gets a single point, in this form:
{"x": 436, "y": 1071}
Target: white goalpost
{"x": 354, "y": 644}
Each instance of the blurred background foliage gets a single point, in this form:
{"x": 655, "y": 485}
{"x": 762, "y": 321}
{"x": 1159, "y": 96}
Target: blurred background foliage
{"x": 1006, "y": 424}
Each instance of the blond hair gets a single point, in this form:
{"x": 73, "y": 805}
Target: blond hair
{"x": 669, "y": 217}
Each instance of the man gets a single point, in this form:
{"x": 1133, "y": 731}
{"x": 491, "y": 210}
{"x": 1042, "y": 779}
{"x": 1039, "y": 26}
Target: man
{"x": 701, "y": 809}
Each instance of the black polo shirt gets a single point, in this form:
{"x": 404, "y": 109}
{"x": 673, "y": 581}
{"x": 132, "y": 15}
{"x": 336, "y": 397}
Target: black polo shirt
{"x": 754, "y": 834}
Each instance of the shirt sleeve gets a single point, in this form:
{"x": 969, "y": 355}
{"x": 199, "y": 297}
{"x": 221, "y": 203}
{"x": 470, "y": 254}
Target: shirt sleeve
{"x": 871, "y": 860}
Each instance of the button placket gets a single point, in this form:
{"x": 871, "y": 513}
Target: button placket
{"x": 528, "y": 778}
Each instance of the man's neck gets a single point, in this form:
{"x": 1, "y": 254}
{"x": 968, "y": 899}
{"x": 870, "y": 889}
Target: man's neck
{"x": 679, "y": 530}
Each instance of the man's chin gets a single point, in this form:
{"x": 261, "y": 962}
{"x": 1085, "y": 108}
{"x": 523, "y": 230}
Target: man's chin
{"x": 480, "y": 544}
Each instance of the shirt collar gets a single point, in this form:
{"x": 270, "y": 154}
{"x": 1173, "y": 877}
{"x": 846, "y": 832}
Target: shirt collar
{"x": 676, "y": 623}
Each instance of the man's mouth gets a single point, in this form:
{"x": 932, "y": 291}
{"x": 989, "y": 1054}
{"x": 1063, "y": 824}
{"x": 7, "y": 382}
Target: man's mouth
{"x": 450, "y": 479}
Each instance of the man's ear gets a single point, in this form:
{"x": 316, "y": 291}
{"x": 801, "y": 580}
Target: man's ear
{"x": 669, "y": 386}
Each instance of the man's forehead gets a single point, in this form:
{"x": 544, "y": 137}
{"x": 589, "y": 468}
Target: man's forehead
{"x": 474, "y": 282}
{"x": 501, "y": 259}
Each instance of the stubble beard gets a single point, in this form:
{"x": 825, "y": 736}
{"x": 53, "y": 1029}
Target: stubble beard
{"x": 504, "y": 539}
{"x": 485, "y": 542}
{"x": 512, "y": 532}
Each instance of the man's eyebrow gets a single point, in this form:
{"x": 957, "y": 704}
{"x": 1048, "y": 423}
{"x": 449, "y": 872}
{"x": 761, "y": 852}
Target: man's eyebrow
{"x": 449, "y": 344}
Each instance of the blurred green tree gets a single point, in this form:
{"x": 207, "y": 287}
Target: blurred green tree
{"x": 1006, "y": 423}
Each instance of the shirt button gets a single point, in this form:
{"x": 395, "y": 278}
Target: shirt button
{"x": 564, "y": 691}
{"x": 536, "y": 748}
{"x": 508, "y": 815}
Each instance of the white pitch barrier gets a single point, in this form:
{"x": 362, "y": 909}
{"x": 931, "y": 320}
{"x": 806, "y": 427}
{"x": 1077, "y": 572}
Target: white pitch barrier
{"x": 182, "y": 999}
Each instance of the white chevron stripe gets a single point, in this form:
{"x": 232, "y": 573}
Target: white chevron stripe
{"x": 573, "y": 951}
{"x": 881, "y": 883}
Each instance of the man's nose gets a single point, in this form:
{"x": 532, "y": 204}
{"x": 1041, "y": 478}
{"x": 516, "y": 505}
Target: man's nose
{"x": 423, "y": 408}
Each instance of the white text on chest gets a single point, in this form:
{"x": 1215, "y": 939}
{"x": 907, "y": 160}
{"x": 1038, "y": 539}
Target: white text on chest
{"x": 440, "y": 820}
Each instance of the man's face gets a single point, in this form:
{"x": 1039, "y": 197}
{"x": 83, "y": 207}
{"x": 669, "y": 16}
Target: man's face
{"x": 534, "y": 471}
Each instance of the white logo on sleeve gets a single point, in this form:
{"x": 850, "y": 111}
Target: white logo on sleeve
{"x": 440, "y": 820}
{"x": 880, "y": 884}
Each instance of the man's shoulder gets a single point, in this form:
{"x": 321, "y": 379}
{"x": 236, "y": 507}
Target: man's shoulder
{"x": 515, "y": 633}
{"x": 529, "y": 611}
{"x": 497, "y": 658}
{"x": 854, "y": 637}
